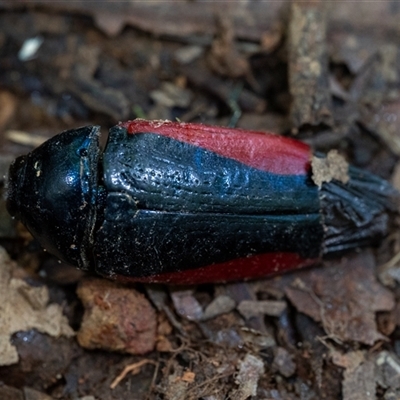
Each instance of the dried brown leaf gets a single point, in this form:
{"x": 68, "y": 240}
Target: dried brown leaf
{"x": 345, "y": 297}
{"x": 23, "y": 307}
{"x": 358, "y": 377}
{"x": 250, "y": 371}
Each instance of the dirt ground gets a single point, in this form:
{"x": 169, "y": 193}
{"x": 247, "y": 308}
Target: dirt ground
{"x": 324, "y": 73}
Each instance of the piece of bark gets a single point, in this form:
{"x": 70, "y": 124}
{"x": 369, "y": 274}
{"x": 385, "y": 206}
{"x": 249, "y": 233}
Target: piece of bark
{"x": 272, "y": 308}
{"x": 308, "y": 65}
{"x": 180, "y": 19}
{"x": 220, "y": 305}
{"x": 116, "y": 318}
{"x": 186, "y": 19}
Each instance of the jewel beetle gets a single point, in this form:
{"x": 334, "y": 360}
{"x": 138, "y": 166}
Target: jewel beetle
{"x": 181, "y": 203}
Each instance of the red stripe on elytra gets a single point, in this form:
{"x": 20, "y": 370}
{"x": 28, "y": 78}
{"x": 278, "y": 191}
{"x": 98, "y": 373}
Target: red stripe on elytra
{"x": 264, "y": 151}
{"x": 253, "y": 267}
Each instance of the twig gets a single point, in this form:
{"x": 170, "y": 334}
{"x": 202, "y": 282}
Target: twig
{"x": 308, "y": 64}
{"x": 134, "y": 368}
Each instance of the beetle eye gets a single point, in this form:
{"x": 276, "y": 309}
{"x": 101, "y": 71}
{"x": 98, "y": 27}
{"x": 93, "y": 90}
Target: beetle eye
{"x": 83, "y": 152}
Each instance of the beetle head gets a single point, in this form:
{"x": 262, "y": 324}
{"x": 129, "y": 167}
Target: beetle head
{"x": 53, "y": 191}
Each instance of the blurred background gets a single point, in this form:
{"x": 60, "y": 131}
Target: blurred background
{"x": 327, "y": 73}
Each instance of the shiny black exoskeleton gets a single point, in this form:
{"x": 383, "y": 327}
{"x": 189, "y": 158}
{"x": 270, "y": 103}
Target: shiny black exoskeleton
{"x": 150, "y": 204}
{"x": 54, "y": 192}
{"x": 154, "y": 206}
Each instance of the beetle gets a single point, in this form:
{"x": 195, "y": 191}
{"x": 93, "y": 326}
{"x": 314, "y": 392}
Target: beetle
{"x": 185, "y": 203}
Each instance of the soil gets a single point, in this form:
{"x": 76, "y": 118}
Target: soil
{"x": 324, "y": 73}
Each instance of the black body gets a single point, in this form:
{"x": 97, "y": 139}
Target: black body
{"x": 160, "y": 205}
{"x": 151, "y": 204}
{"x": 177, "y": 206}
